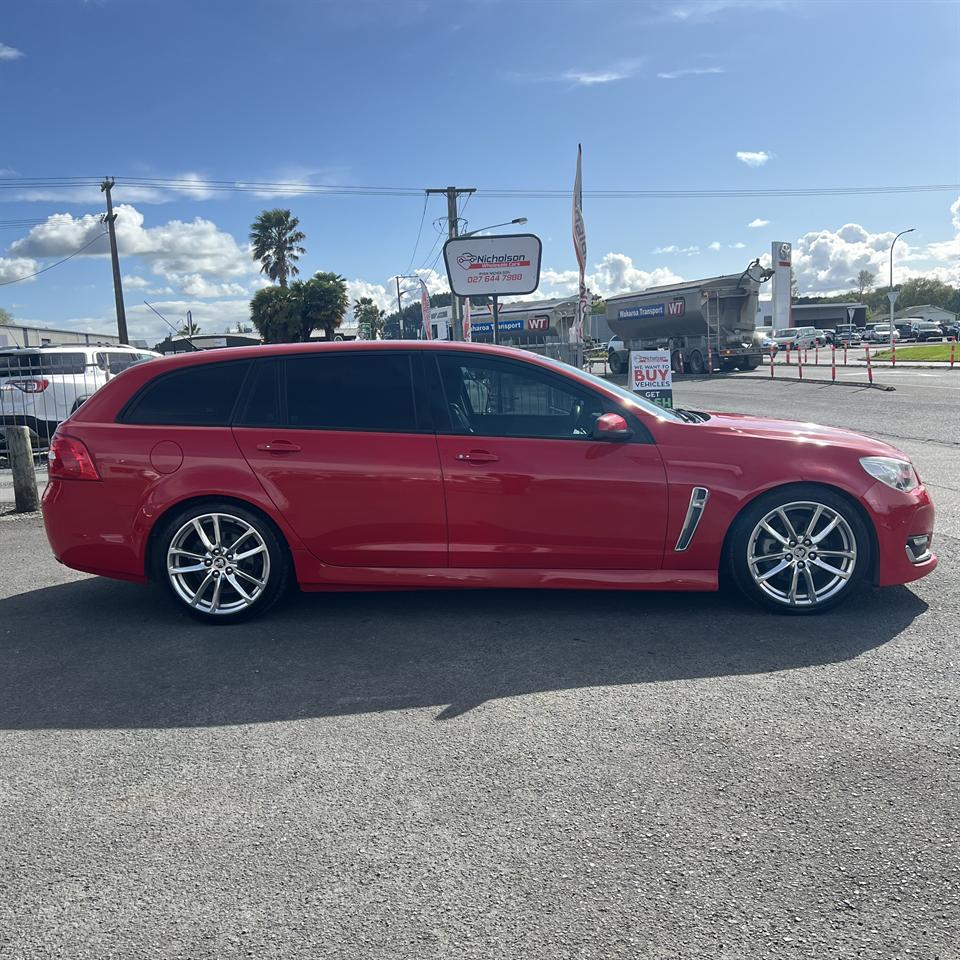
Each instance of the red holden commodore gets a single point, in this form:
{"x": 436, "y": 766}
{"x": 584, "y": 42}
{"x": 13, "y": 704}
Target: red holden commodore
{"x": 227, "y": 474}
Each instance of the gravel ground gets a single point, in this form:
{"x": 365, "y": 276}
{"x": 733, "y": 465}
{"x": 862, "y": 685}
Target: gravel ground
{"x": 489, "y": 774}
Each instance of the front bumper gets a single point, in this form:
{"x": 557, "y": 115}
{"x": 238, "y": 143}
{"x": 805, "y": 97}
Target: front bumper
{"x": 898, "y": 517}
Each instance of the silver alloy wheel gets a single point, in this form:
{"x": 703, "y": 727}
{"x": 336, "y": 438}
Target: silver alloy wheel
{"x": 218, "y": 564}
{"x": 802, "y": 553}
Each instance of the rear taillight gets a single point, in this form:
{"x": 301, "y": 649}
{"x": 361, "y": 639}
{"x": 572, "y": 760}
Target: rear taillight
{"x": 29, "y": 385}
{"x": 69, "y": 459}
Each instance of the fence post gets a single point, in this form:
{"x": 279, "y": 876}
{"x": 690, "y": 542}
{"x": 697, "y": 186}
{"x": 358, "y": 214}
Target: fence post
{"x": 869, "y": 365}
{"x": 24, "y": 475}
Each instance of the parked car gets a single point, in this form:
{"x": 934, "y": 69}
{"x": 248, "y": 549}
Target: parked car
{"x": 225, "y": 475}
{"x": 881, "y": 334}
{"x": 847, "y": 333}
{"x": 618, "y": 356}
{"x": 796, "y": 338}
{"x": 925, "y": 330}
{"x": 823, "y": 337}
{"x": 41, "y": 386}
{"x": 904, "y": 328}
{"x": 951, "y": 330}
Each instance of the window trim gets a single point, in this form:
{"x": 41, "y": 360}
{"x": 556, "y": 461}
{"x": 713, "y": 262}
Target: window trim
{"x": 641, "y": 433}
{"x": 130, "y": 406}
{"x": 418, "y": 393}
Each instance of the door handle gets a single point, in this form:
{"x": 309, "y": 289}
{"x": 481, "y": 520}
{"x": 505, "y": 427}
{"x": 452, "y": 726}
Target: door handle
{"x": 478, "y": 456}
{"x": 279, "y": 446}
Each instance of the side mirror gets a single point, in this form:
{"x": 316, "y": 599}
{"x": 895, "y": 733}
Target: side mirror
{"x": 611, "y": 427}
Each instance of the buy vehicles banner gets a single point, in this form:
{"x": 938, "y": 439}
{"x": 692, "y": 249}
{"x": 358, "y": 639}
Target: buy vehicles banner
{"x": 651, "y": 376}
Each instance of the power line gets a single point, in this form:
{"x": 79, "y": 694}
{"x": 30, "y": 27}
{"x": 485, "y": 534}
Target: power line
{"x": 416, "y": 246}
{"x": 311, "y": 189}
{"x": 57, "y": 264}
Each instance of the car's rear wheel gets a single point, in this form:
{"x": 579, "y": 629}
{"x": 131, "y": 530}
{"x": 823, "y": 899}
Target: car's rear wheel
{"x": 696, "y": 362}
{"x": 222, "y": 562}
{"x": 799, "y": 550}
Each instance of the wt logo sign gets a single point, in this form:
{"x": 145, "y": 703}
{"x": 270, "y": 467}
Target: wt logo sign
{"x": 676, "y": 308}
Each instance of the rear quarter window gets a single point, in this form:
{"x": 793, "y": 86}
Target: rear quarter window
{"x": 42, "y": 364}
{"x": 202, "y": 396}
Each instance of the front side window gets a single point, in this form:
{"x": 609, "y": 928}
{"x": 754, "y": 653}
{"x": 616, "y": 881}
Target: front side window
{"x": 201, "y": 396}
{"x": 491, "y": 397}
{"x": 351, "y": 391}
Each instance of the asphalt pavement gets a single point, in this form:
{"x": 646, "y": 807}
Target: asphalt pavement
{"x": 491, "y": 774}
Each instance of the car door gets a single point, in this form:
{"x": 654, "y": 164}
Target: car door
{"x": 526, "y": 484}
{"x": 346, "y": 451}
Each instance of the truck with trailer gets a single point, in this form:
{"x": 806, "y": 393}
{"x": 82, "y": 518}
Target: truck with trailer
{"x": 704, "y": 324}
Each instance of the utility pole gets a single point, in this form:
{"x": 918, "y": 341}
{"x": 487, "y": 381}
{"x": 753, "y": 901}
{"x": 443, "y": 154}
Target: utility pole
{"x": 105, "y": 187}
{"x": 453, "y": 194}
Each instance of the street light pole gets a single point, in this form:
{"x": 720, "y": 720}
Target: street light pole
{"x": 892, "y": 295}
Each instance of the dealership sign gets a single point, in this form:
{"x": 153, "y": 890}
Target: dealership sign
{"x": 651, "y": 376}
{"x": 498, "y": 266}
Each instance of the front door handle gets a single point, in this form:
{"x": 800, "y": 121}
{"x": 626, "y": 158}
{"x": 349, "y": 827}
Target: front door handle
{"x": 478, "y": 456}
{"x": 279, "y": 446}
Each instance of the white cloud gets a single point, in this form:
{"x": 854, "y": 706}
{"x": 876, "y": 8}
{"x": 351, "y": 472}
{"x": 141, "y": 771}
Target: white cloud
{"x": 758, "y": 222}
{"x": 714, "y": 246}
{"x": 753, "y": 158}
{"x": 615, "y": 273}
{"x": 826, "y": 261}
{"x": 690, "y": 72}
{"x": 736, "y": 246}
{"x": 619, "y": 70}
{"x": 676, "y": 251}
{"x": 590, "y": 79}
{"x": 9, "y": 53}
{"x": 13, "y": 268}
{"x": 134, "y": 282}
{"x": 195, "y": 256}
{"x": 706, "y": 11}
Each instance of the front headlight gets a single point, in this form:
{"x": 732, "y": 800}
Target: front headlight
{"x": 898, "y": 474}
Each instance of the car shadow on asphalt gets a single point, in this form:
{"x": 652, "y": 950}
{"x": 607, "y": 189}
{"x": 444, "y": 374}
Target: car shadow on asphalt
{"x": 102, "y": 654}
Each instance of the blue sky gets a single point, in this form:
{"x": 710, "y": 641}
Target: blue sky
{"x": 494, "y": 94}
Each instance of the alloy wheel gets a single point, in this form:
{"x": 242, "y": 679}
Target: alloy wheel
{"x": 218, "y": 564}
{"x": 802, "y": 553}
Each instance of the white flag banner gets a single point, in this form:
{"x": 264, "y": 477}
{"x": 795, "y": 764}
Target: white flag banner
{"x": 467, "y": 332}
{"x": 580, "y": 246}
{"x": 425, "y": 310}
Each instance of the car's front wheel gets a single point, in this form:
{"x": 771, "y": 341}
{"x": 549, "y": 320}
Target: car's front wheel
{"x": 799, "y": 550}
{"x": 222, "y": 562}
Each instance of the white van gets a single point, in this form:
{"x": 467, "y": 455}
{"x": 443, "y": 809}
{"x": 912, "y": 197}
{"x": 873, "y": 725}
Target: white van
{"x": 796, "y": 338}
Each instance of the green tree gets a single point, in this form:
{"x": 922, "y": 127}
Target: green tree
{"x": 6, "y": 317}
{"x": 273, "y": 313}
{"x": 277, "y": 244}
{"x": 925, "y": 290}
{"x": 188, "y": 329}
{"x": 320, "y": 303}
{"x": 865, "y": 280}
{"x": 365, "y": 311}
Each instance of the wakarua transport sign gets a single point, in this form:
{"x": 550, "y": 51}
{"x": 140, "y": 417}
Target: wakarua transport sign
{"x": 505, "y": 265}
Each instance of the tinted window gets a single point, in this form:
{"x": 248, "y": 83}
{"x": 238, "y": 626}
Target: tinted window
{"x": 262, "y": 408}
{"x": 120, "y": 361}
{"x": 492, "y": 397}
{"x": 351, "y": 391}
{"x": 42, "y": 364}
{"x": 196, "y": 396}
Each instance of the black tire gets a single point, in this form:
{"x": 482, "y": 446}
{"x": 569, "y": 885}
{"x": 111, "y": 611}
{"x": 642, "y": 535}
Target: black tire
{"x": 752, "y": 363}
{"x": 696, "y": 362}
{"x": 746, "y": 537}
{"x": 677, "y": 363}
{"x": 277, "y": 566}
{"x": 617, "y": 366}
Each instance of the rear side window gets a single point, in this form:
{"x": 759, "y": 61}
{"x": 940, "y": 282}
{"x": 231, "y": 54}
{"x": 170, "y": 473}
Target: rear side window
{"x": 42, "y": 364}
{"x": 351, "y": 391}
{"x": 201, "y": 396}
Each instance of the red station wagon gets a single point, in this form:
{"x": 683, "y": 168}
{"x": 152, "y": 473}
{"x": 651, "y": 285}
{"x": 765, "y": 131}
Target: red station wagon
{"x": 227, "y": 474}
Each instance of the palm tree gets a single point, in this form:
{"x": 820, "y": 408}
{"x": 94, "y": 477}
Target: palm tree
{"x": 365, "y": 311}
{"x": 276, "y": 244}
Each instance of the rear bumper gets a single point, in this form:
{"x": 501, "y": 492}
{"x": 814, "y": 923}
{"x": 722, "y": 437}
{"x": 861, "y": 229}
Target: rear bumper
{"x": 87, "y": 531}
{"x": 897, "y": 517}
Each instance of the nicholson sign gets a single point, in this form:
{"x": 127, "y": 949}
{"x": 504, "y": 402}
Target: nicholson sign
{"x": 493, "y": 266}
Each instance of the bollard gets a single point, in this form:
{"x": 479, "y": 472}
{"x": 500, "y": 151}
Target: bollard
{"x": 893, "y": 353}
{"x": 21, "y": 463}
{"x": 816, "y": 355}
{"x": 953, "y": 352}
{"x": 773, "y": 354}
{"x": 869, "y": 365}
{"x": 788, "y": 354}
{"x": 800, "y": 362}
{"x": 844, "y": 354}
{"x": 833, "y": 364}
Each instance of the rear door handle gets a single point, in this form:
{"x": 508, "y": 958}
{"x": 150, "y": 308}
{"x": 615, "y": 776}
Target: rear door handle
{"x": 279, "y": 446}
{"x": 478, "y": 456}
